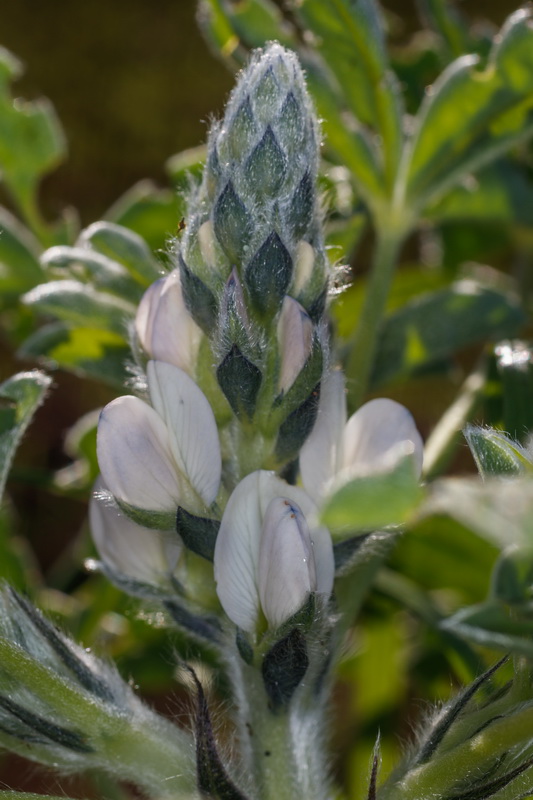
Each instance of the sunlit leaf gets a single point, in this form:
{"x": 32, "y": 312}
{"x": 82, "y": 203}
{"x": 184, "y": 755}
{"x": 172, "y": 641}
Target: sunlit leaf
{"x": 472, "y": 114}
{"x": 89, "y": 352}
{"x": 124, "y": 246}
{"x": 75, "y": 302}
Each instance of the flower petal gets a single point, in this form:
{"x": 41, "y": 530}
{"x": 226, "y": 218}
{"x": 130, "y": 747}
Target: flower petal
{"x": 146, "y": 555}
{"x": 319, "y": 456}
{"x": 237, "y": 553}
{"x": 134, "y": 456}
{"x": 375, "y": 433}
{"x": 286, "y": 570}
{"x": 295, "y": 337}
{"x": 192, "y": 431}
{"x": 239, "y": 541}
{"x": 164, "y": 326}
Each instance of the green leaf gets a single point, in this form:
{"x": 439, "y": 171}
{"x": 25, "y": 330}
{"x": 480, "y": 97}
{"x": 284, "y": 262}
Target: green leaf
{"x": 89, "y": 352}
{"x": 89, "y": 266}
{"x": 444, "y": 19}
{"x": 31, "y": 138}
{"x": 344, "y": 137}
{"x": 19, "y": 258}
{"x": 150, "y": 212}
{"x": 489, "y": 624}
{"x": 512, "y": 577}
{"x": 501, "y": 193}
{"x": 218, "y": 30}
{"x": 75, "y": 302}
{"x": 471, "y": 115}
{"x": 351, "y": 39}
{"x": 186, "y": 164}
{"x": 20, "y": 397}
{"x": 436, "y": 325}
{"x": 495, "y": 453}
{"x": 124, "y": 246}
{"x": 373, "y": 501}
{"x": 258, "y": 21}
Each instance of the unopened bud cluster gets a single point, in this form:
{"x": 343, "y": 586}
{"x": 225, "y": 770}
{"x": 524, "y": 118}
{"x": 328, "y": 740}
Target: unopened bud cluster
{"x": 251, "y": 261}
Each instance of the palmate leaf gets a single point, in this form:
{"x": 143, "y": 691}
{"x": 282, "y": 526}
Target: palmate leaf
{"x": 20, "y": 397}
{"x": 472, "y": 115}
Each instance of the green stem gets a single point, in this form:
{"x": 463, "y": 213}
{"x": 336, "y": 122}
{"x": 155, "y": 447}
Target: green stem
{"x": 283, "y": 748}
{"x": 363, "y": 344}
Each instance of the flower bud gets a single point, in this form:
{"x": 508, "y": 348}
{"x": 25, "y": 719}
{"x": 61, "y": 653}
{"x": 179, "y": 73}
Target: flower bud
{"x": 164, "y": 326}
{"x": 286, "y": 570}
{"x": 295, "y": 339}
{"x": 129, "y": 550}
{"x": 257, "y": 201}
{"x": 258, "y": 537}
{"x": 158, "y": 458}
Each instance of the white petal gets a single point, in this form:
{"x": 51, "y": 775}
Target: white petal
{"x": 206, "y": 239}
{"x": 303, "y": 268}
{"x": 319, "y": 457}
{"x": 165, "y": 328}
{"x": 237, "y": 553}
{"x": 376, "y": 434}
{"x": 295, "y": 337}
{"x": 146, "y": 313}
{"x": 286, "y": 571}
{"x": 146, "y": 555}
{"x": 192, "y": 430}
{"x": 270, "y": 487}
{"x": 239, "y": 540}
{"x": 134, "y": 456}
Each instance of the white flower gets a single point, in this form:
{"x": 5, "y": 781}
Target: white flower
{"x": 372, "y": 440}
{"x": 166, "y": 330}
{"x": 159, "y": 457}
{"x": 266, "y": 557}
{"x": 295, "y": 339}
{"x": 129, "y": 549}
